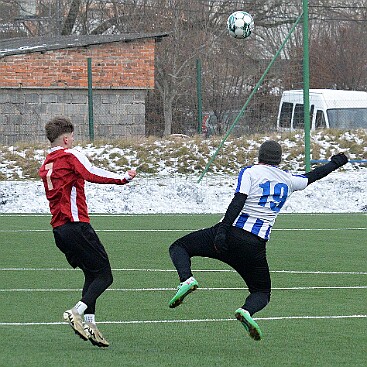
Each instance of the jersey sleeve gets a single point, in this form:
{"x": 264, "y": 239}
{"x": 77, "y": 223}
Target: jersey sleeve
{"x": 244, "y": 181}
{"x": 90, "y": 173}
{"x": 299, "y": 182}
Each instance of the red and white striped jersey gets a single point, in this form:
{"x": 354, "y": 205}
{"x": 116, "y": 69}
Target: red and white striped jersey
{"x": 64, "y": 173}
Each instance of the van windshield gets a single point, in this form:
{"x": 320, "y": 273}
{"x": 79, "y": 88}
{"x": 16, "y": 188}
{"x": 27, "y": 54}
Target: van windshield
{"x": 347, "y": 118}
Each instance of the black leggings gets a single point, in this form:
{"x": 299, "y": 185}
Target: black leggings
{"x": 94, "y": 285}
{"x": 246, "y": 255}
{"x": 82, "y": 248}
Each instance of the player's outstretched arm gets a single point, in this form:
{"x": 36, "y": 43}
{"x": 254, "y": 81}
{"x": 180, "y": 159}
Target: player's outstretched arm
{"x": 90, "y": 173}
{"x": 336, "y": 161}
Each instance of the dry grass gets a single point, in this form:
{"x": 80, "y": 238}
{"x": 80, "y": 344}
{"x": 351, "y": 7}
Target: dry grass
{"x": 187, "y": 155}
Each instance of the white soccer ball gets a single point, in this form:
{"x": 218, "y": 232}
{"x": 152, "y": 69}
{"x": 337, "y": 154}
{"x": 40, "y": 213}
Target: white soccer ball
{"x": 240, "y": 24}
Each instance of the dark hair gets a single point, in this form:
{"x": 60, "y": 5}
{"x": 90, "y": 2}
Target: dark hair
{"x": 270, "y": 152}
{"x": 57, "y": 126}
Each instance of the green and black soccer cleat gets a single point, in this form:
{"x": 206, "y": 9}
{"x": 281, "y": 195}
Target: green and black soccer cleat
{"x": 248, "y": 323}
{"x": 185, "y": 288}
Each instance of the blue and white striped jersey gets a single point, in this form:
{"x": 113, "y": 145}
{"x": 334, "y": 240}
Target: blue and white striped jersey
{"x": 267, "y": 189}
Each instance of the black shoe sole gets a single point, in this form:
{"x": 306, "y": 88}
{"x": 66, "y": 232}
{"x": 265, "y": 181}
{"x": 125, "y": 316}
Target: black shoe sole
{"x": 97, "y": 344}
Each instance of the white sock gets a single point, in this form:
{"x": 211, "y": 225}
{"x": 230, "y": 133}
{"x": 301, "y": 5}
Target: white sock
{"x": 90, "y": 317}
{"x": 81, "y": 307}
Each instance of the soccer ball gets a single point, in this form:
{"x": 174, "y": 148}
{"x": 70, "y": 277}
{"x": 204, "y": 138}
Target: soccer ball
{"x": 240, "y": 24}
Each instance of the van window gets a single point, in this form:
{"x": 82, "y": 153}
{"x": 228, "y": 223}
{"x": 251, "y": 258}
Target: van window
{"x": 298, "y": 118}
{"x": 347, "y": 118}
{"x": 320, "y": 122}
{"x": 285, "y": 114}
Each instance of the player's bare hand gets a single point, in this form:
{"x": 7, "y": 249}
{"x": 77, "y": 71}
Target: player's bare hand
{"x": 131, "y": 173}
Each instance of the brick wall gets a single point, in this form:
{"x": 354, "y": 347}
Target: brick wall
{"x": 114, "y": 65}
{"x": 35, "y": 87}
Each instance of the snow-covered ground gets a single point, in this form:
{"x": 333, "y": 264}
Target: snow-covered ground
{"x": 341, "y": 191}
{"x": 166, "y": 191}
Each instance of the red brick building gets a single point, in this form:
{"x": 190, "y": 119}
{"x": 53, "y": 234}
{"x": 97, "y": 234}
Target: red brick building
{"x": 41, "y": 78}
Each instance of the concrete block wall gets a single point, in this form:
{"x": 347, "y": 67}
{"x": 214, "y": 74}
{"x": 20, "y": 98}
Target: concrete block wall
{"x": 117, "y": 113}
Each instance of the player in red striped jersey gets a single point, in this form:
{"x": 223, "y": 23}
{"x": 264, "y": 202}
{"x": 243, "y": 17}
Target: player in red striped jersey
{"x": 64, "y": 173}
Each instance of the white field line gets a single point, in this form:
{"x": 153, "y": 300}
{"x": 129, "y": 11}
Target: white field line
{"x": 196, "y": 271}
{"x": 187, "y": 230}
{"x": 165, "y": 214}
{"x": 174, "y": 289}
{"x": 126, "y": 322}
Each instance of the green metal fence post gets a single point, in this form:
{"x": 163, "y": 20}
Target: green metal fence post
{"x": 306, "y": 87}
{"x": 90, "y": 100}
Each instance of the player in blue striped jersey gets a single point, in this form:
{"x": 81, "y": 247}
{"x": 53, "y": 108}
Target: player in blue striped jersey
{"x": 240, "y": 238}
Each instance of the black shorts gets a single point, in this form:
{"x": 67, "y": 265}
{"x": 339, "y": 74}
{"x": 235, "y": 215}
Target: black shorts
{"x": 81, "y": 246}
{"x": 246, "y": 254}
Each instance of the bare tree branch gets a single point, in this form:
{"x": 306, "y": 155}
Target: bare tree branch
{"x": 71, "y": 18}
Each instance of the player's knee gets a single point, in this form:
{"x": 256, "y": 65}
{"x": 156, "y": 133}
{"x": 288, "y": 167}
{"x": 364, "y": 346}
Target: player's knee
{"x": 110, "y": 279}
{"x": 175, "y": 245}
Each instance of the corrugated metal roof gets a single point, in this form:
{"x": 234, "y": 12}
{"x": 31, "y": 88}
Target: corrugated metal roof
{"x": 17, "y": 46}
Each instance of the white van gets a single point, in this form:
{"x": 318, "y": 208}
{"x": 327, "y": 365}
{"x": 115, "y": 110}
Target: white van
{"x": 335, "y": 109}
